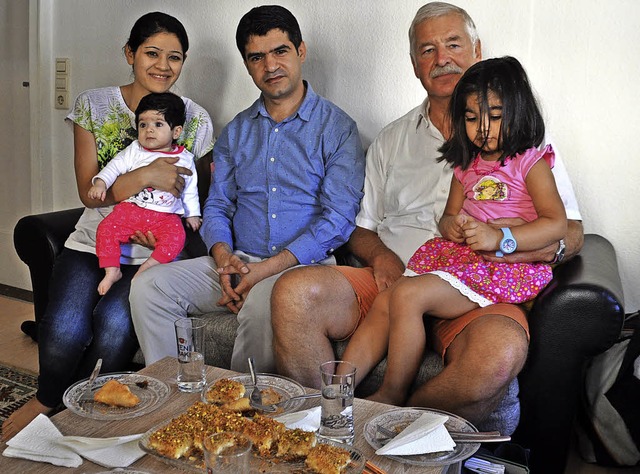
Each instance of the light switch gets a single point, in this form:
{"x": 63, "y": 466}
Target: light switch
{"x": 62, "y": 65}
{"x": 61, "y": 83}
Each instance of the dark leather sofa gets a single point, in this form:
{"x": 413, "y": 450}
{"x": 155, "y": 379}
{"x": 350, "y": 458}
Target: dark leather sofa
{"x": 579, "y": 315}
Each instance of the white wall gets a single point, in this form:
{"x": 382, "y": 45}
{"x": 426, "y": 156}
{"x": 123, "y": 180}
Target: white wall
{"x": 14, "y": 135}
{"x": 582, "y": 57}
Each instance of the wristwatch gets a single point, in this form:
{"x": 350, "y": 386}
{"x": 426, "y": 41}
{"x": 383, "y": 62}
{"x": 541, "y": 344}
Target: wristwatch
{"x": 560, "y": 252}
{"x": 508, "y": 243}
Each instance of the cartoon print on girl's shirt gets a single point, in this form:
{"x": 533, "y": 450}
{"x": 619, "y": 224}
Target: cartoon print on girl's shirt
{"x": 490, "y": 188}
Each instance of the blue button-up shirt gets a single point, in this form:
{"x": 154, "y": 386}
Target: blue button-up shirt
{"x": 292, "y": 185}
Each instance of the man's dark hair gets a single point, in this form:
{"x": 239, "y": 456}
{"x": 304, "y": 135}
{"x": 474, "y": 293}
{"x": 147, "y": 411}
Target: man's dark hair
{"x": 260, "y": 20}
{"x": 168, "y": 104}
{"x": 522, "y": 123}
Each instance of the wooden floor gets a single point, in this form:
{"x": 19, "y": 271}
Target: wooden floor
{"x": 20, "y": 351}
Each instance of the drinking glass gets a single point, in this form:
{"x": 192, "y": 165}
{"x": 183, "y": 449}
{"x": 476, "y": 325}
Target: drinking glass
{"x": 190, "y": 339}
{"x": 336, "y": 415}
{"x": 227, "y": 452}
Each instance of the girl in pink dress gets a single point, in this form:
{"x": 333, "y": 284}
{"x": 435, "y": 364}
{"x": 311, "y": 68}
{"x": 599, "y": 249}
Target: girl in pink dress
{"x": 499, "y": 172}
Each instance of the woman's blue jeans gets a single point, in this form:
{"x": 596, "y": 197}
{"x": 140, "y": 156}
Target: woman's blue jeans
{"x": 79, "y": 326}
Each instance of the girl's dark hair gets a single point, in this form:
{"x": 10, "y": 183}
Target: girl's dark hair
{"x": 167, "y": 103}
{"x": 260, "y": 20}
{"x": 522, "y": 122}
{"x": 157, "y": 22}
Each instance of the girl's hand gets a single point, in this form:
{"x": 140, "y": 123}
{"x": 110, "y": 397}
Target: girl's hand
{"x": 194, "y": 222}
{"x": 451, "y": 227}
{"x": 480, "y": 236}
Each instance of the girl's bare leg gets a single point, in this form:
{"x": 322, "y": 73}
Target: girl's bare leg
{"x": 112, "y": 275}
{"x": 369, "y": 343}
{"x": 410, "y": 299}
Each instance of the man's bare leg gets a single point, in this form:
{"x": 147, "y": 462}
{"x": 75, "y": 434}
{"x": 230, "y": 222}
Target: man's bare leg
{"x": 480, "y": 364}
{"x": 310, "y": 306}
{"x": 111, "y": 275}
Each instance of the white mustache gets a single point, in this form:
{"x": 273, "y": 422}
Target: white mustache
{"x": 446, "y": 69}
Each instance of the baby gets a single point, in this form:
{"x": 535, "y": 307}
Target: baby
{"x": 159, "y": 121}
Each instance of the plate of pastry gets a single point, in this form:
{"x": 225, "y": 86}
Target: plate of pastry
{"x": 398, "y": 419}
{"x": 233, "y": 393}
{"x": 117, "y": 396}
{"x": 179, "y": 442}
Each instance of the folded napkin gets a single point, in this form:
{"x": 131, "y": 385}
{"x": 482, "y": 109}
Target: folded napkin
{"x": 120, "y": 451}
{"x": 425, "y": 435}
{"x": 41, "y": 441}
{"x": 308, "y": 420}
{"x": 38, "y": 441}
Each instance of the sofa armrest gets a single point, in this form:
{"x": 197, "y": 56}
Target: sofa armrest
{"x": 38, "y": 239}
{"x": 579, "y": 315}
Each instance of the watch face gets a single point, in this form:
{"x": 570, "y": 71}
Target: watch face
{"x": 508, "y": 245}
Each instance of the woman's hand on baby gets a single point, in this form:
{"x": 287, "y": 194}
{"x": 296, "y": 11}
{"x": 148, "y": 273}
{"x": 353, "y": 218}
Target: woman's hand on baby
{"x": 163, "y": 174}
{"x": 146, "y": 240}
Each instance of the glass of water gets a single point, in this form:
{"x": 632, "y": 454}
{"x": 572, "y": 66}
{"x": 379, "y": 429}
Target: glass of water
{"x": 190, "y": 339}
{"x": 336, "y": 415}
{"x": 227, "y": 452}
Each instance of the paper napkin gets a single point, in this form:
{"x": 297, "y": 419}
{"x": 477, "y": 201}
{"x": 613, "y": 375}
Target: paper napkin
{"x": 119, "y": 451}
{"x": 425, "y": 435}
{"x": 308, "y": 420}
{"x": 38, "y": 441}
{"x": 41, "y": 441}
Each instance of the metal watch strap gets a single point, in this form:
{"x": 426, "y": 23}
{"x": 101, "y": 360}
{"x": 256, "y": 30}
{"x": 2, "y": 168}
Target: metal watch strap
{"x": 559, "y": 256}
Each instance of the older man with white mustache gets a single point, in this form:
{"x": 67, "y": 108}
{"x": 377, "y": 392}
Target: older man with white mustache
{"x": 405, "y": 193}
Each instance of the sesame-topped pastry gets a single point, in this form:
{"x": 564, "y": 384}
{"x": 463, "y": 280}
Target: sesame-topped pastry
{"x": 327, "y": 459}
{"x": 225, "y": 391}
{"x": 295, "y": 443}
{"x": 116, "y": 394}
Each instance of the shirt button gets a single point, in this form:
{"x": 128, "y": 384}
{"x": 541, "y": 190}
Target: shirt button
{"x": 273, "y": 247}
{"x": 272, "y": 159}
{"x": 273, "y": 189}
{"x": 331, "y": 250}
{"x": 276, "y": 130}
{"x": 273, "y": 216}
{"x": 313, "y": 261}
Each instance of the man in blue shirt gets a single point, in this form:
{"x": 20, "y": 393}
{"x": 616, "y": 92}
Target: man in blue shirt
{"x": 287, "y": 183}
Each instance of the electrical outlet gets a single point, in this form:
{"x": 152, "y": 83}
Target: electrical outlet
{"x": 62, "y": 100}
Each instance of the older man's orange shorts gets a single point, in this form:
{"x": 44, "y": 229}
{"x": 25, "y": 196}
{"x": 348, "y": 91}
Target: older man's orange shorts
{"x": 444, "y": 330}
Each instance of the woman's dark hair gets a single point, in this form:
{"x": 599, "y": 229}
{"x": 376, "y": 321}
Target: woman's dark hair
{"x": 168, "y": 104}
{"x": 157, "y": 22}
{"x": 522, "y": 122}
{"x": 260, "y": 20}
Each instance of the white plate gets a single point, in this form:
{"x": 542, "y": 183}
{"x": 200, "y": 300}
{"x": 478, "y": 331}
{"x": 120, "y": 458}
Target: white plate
{"x": 284, "y": 386}
{"x": 151, "y": 396}
{"x": 258, "y": 464}
{"x": 398, "y": 419}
